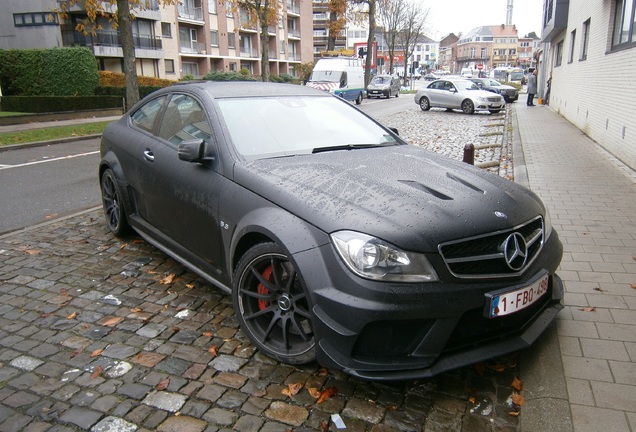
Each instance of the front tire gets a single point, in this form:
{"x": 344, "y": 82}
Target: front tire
{"x": 468, "y": 107}
{"x": 113, "y": 203}
{"x": 359, "y": 99}
{"x": 272, "y": 305}
{"x": 425, "y": 104}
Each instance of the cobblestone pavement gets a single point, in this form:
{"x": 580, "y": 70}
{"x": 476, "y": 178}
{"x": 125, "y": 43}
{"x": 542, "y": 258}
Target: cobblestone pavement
{"x": 104, "y": 334}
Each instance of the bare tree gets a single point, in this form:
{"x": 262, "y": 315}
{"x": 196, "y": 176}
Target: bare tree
{"x": 391, "y": 14}
{"x": 122, "y": 20}
{"x": 414, "y": 25}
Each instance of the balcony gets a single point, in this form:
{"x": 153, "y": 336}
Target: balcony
{"x": 249, "y": 53}
{"x": 555, "y": 18}
{"x": 293, "y": 33}
{"x": 293, "y": 8}
{"x": 70, "y": 37}
{"x": 191, "y": 47}
{"x": 190, "y": 13}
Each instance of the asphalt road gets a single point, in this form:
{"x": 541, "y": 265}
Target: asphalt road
{"x": 41, "y": 183}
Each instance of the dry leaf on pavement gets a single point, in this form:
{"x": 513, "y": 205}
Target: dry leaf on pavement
{"x": 327, "y": 393}
{"x": 97, "y": 372}
{"x": 314, "y": 392}
{"x": 517, "y": 384}
{"x": 517, "y": 399}
{"x": 72, "y": 316}
{"x": 292, "y": 389}
{"x": 588, "y": 309}
{"x": 163, "y": 384}
{"x": 96, "y": 352}
{"x": 168, "y": 279}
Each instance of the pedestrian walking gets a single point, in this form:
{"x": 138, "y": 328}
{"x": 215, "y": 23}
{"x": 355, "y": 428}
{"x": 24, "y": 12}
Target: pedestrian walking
{"x": 532, "y": 87}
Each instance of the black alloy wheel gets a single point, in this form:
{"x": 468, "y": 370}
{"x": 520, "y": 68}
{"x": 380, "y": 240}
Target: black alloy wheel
{"x": 113, "y": 204}
{"x": 272, "y": 305}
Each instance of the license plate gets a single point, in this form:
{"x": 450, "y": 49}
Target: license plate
{"x": 512, "y": 301}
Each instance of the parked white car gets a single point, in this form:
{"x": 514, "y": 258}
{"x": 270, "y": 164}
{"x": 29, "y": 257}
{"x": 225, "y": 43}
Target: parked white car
{"x": 458, "y": 94}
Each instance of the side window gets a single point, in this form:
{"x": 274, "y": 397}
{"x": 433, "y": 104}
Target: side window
{"x": 184, "y": 120}
{"x": 145, "y": 116}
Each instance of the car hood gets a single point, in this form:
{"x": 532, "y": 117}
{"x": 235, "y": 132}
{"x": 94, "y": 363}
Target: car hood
{"x": 479, "y": 93}
{"x": 403, "y": 194}
{"x": 373, "y": 86}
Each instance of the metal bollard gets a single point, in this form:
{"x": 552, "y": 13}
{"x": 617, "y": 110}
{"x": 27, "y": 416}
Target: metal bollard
{"x": 469, "y": 154}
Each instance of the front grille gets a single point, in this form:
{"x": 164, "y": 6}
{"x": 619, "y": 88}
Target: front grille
{"x": 494, "y": 99}
{"x": 486, "y": 255}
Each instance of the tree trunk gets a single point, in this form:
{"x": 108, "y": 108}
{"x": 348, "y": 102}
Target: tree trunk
{"x": 370, "y": 52}
{"x": 264, "y": 51}
{"x": 331, "y": 37}
{"x": 128, "y": 49}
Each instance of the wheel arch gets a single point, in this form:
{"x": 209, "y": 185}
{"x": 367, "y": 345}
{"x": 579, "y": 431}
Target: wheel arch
{"x": 109, "y": 161}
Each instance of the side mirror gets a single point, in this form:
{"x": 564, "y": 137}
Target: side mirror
{"x": 194, "y": 151}
{"x": 394, "y": 130}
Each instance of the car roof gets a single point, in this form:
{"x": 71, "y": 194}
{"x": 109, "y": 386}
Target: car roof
{"x": 238, "y": 89}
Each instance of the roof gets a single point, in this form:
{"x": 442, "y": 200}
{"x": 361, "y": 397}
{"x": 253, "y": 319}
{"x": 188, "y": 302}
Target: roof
{"x": 230, "y": 89}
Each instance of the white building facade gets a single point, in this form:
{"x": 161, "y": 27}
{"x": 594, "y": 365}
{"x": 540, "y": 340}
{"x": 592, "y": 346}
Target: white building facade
{"x": 590, "y": 52}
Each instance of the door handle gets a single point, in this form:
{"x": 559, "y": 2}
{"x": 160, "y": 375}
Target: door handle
{"x": 148, "y": 155}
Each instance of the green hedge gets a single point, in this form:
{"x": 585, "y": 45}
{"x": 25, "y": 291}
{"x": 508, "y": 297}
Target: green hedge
{"x": 121, "y": 91}
{"x": 70, "y": 71}
{"x": 48, "y": 104}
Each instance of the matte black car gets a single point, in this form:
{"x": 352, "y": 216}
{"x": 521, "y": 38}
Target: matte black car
{"x": 509, "y": 93}
{"x": 337, "y": 240}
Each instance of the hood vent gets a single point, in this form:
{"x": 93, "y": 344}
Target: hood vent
{"x": 465, "y": 183}
{"x": 421, "y": 187}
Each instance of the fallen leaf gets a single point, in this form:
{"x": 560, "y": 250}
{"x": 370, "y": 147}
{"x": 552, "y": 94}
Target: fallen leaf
{"x": 190, "y": 286}
{"x": 514, "y": 413}
{"x": 72, "y": 316}
{"x": 634, "y": 286}
{"x": 97, "y": 372}
{"x": 163, "y": 384}
{"x": 327, "y": 393}
{"x": 314, "y": 392}
{"x": 292, "y": 389}
{"x": 471, "y": 400}
{"x": 168, "y": 279}
{"x": 208, "y": 334}
{"x": 588, "y": 309}
{"x": 96, "y": 352}
{"x": 136, "y": 310}
{"x": 517, "y": 399}
{"x": 33, "y": 251}
{"x": 323, "y": 372}
{"x": 324, "y": 426}
{"x": 214, "y": 350}
{"x": 76, "y": 352}
{"x": 111, "y": 322}
{"x": 517, "y": 384}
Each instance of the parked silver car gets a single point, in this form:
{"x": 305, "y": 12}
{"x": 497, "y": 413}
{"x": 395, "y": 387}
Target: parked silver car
{"x": 458, "y": 94}
{"x": 384, "y": 86}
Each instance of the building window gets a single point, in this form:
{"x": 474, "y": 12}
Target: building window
{"x": 624, "y": 27}
{"x": 572, "y": 43}
{"x": 231, "y": 40}
{"x": 559, "y": 54}
{"x": 166, "y": 30}
{"x": 233, "y": 67}
{"x": 214, "y": 38}
{"x": 483, "y": 53}
{"x": 35, "y": 19}
{"x": 586, "y": 39}
{"x": 228, "y": 9}
{"x": 169, "y": 66}
{"x": 212, "y": 6}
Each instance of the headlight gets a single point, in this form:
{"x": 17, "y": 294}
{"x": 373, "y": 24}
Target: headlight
{"x": 482, "y": 99}
{"x": 373, "y": 258}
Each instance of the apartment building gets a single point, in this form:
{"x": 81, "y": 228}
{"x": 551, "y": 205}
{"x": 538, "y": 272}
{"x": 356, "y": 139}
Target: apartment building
{"x": 590, "y": 52}
{"x": 475, "y": 48}
{"x": 320, "y": 18}
{"x": 191, "y": 38}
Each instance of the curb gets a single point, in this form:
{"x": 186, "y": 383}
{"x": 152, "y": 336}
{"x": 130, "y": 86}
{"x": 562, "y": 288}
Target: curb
{"x": 49, "y": 142}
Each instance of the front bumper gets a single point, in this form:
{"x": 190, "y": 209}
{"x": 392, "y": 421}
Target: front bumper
{"x": 390, "y": 331}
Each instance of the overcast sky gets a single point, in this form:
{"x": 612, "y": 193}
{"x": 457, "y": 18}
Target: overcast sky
{"x": 455, "y": 16}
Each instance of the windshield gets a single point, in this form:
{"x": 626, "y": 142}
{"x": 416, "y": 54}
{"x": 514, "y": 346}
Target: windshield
{"x": 284, "y": 126}
{"x": 329, "y": 76}
{"x": 516, "y": 76}
{"x": 381, "y": 80}
{"x": 466, "y": 85}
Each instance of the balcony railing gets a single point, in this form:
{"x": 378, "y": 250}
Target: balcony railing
{"x": 293, "y": 57}
{"x": 189, "y": 47}
{"x": 293, "y": 32}
{"x": 70, "y": 37}
{"x": 191, "y": 13}
{"x": 249, "y": 53}
{"x": 293, "y": 8}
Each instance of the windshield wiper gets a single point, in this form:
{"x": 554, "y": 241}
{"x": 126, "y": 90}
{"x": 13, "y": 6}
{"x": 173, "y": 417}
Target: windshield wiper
{"x": 349, "y": 147}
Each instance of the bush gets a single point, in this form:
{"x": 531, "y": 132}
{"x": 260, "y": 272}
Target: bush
{"x": 121, "y": 91}
{"x": 48, "y": 104}
{"x": 115, "y": 79}
{"x": 227, "y": 76}
{"x": 68, "y": 71}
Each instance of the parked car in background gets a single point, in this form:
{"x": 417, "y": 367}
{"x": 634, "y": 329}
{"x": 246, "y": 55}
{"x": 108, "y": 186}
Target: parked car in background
{"x": 336, "y": 240}
{"x": 458, "y": 94}
{"x": 384, "y": 86}
{"x": 509, "y": 93}
{"x": 430, "y": 77}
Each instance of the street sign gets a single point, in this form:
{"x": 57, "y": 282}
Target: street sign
{"x": 480, "y": 66}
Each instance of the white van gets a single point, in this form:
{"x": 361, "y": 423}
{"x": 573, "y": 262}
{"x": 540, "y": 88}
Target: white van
{"x": 467, "y": 73}
{"x": 342, "y": 76}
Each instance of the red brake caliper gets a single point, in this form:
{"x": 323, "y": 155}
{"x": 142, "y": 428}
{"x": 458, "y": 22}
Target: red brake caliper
{"x": 262, "y": 289}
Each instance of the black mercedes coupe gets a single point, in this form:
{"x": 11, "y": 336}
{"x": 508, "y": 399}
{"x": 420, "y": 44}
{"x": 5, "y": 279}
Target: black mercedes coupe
{"x": 337, "y": 241}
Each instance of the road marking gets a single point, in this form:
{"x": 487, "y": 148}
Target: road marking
{"x": 3, "y": 167}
